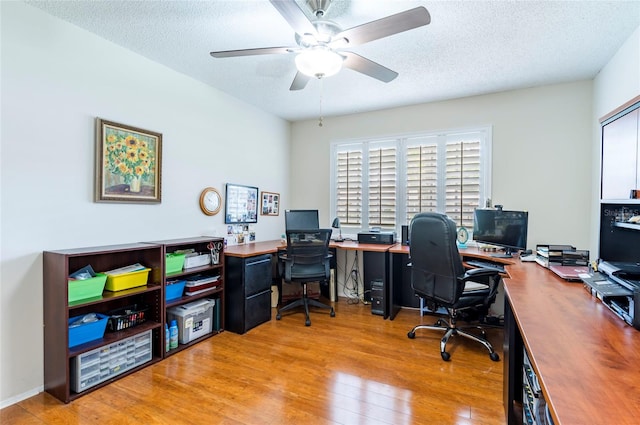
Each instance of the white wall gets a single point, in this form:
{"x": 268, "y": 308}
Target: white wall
{"x": 541, "y": 152}
{"x": 56, "y": 79}
{"x": 616, "y": 84}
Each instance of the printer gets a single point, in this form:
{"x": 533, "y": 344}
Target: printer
{"x": 617, "y": 285}
{"x": 625, "y": 274}
{"x": 386, "y": 238}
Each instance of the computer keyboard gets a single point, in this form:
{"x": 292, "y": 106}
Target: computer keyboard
{"x": 486, "y": 265}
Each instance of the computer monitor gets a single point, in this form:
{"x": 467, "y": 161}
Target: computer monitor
{"x": 506, "y": 229}
{"x": 301, "y": 219}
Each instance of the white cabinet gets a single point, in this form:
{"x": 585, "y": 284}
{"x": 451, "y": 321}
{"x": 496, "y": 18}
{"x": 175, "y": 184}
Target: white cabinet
{"x": 621, "y": 156}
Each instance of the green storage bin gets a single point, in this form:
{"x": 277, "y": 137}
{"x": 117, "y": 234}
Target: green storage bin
{"x": 87, "y": 288}
{"x": 173, "y": 263}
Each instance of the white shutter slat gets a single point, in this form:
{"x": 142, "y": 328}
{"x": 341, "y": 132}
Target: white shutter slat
{"x": 349, "y": 187}
{"x": 382, "y": 186}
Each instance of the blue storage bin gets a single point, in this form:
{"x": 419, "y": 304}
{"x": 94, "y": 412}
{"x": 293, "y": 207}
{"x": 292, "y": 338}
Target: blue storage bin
{"x": 174, "y": 291}
{"x": 88, "y": 331}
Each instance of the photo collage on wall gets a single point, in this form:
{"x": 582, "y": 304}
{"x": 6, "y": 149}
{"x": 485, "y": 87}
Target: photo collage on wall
{"x": 240, "y": 233}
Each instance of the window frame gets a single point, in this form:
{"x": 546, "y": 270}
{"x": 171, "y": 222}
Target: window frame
{"x": 401, "y": 142}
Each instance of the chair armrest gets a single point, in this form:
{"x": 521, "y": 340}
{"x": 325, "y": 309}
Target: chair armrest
{"x": 474, "y": 286}
{"x": 480, "y": 273}
{"x": 488, "y": 277}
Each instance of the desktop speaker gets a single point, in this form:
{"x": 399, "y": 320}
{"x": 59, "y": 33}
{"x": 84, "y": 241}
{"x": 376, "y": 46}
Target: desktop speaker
{"x": 405, "y": 235}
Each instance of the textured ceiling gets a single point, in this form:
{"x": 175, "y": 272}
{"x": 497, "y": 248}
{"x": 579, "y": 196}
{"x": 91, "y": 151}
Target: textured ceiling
{"x": 470, "y": 47}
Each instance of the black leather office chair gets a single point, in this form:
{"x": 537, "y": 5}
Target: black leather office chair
{"x": 438, "y": 276}
{"x": 306, "y": 260}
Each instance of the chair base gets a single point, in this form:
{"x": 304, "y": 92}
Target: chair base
{"x": 451, "y": 329}
{"x": 305, "y": 302}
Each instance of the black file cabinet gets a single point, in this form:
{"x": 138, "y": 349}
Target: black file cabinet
{"x": 247, "y": 292}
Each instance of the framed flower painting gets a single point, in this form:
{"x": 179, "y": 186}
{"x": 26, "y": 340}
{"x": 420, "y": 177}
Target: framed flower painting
{"x": 128, "y": 163}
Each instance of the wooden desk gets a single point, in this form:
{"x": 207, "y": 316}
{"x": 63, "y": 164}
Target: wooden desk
{"x": 273, "y": 246}
{"x": 254, "y": 248}
{"x": 402, "y": 294}
{"x": 375, "y": 262}
{"x": 586, "y": 359}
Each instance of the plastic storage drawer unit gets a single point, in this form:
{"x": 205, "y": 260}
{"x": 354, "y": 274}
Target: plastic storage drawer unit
{"x": 93, "y": 367}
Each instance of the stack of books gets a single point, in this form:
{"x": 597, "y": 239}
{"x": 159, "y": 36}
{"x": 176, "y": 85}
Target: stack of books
{"x": 547, "y": 255}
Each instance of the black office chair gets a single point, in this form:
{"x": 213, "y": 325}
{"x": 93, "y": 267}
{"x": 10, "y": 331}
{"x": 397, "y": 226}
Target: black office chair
{"x": 438, "y": 276}
{"x": 306, "y": 260}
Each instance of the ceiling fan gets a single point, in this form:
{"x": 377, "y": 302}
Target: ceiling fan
{"x": 320, "y": 42}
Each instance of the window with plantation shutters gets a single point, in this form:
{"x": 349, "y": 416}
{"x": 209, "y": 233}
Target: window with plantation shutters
{"x": 384, "y": 183}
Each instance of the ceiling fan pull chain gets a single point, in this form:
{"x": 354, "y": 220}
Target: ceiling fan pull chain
{"x": 321, "y": 86}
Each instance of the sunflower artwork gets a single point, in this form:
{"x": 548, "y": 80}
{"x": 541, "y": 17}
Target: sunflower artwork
{"x": 128, "y": 164}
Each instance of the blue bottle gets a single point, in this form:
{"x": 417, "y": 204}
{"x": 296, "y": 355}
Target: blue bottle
{"x": 166, "y": 337}
{"x": 173, "y": 335}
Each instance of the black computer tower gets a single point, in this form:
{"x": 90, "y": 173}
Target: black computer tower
{"x": 377, "y": 297}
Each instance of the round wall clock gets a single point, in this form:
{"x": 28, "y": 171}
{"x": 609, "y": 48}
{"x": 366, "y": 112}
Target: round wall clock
{"x": 462, "y": 236}
{"x": 210, "y": 201}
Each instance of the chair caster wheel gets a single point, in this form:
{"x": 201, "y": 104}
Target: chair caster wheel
{"x": 278, "y": 316}
{"x": 333, "y": 313}
{"x": 494, "y": 356}
{"x": 411, "y": 334}
{"x": 307, "y": 322}
{"x": 445, "y": 356}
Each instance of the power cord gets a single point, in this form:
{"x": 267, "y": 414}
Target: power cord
{"x": 352, "y": 281}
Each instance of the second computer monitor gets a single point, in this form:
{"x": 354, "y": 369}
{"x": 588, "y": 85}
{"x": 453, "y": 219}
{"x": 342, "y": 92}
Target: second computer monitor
{"x": 301, "y": 219}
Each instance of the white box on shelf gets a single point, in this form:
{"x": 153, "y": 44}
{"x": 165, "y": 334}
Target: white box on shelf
{"x": 194, "y": 319}
{"x": 197, "y": 261}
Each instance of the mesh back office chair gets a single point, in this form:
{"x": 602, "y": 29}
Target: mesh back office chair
{"x": 306, "y": 260}
{"x": 438, "y": 276}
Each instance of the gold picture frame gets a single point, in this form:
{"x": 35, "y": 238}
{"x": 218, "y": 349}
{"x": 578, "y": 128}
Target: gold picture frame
{"x": 270, "y": 203}
{"x": 128, "y": 164}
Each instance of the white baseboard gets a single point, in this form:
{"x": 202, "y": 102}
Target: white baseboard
{"x": 18, "y": 398}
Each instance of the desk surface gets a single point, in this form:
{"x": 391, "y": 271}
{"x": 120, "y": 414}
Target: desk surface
{"x": 254, "y": 248}
{"x": 587, "y": 360}
{"x": 270, "y": 247}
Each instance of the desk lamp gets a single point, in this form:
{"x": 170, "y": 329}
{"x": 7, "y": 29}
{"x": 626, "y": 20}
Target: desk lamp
{"x": 336, "y": 225}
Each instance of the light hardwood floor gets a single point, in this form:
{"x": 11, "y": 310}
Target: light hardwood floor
{"x": 355, "y": 368}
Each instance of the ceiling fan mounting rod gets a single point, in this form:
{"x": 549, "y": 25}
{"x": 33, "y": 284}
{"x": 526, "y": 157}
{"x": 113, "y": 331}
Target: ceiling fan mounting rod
{"x": 319, "y": 7}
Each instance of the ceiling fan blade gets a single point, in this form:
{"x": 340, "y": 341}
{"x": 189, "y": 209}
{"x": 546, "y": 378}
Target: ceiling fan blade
{"x": 299, "y": 81}
{"x": 393, "y": 24}
{"x": 368, "y": 67}
{"x": 253, "y": 52}
{"x": 296, "y": 18}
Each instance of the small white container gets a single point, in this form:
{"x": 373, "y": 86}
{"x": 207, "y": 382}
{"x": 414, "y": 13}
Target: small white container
{"x": 197, "y": 261}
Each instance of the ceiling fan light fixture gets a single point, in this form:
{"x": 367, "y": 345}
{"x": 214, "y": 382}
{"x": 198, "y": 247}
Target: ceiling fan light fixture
{"x": 319, "y": 62}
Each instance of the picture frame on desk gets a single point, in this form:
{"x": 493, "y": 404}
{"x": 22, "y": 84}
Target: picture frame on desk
{"x": 128, "y": 166}
{"x": 270, "y": 203}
